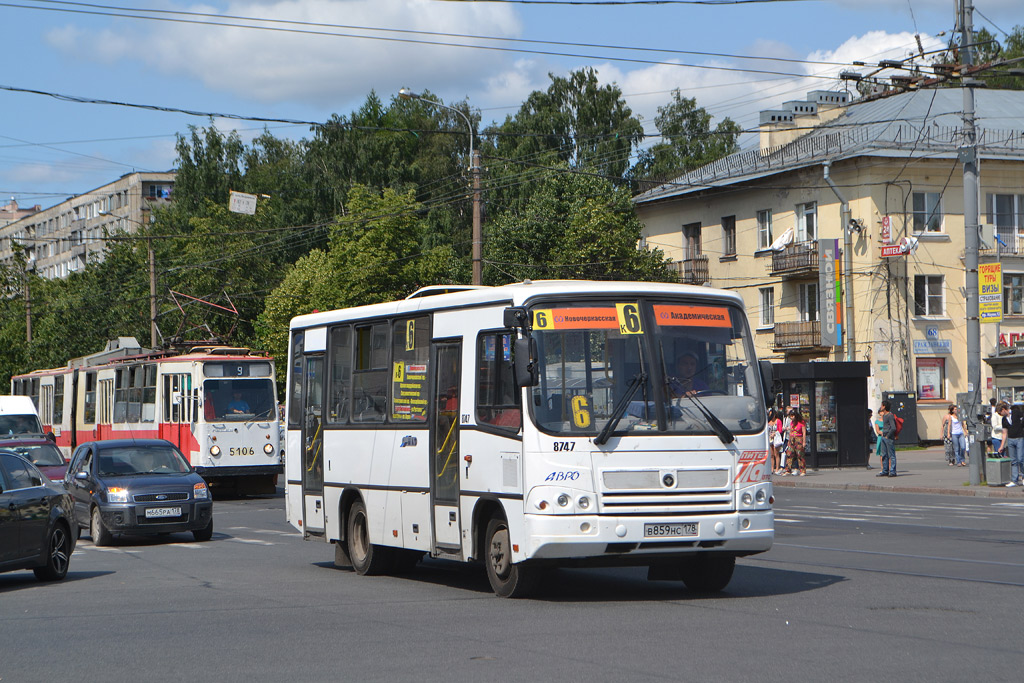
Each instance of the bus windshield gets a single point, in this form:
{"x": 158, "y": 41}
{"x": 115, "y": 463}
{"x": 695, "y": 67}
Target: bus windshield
{"x": 235, "y": 400}
{"x": 668, "y": 366}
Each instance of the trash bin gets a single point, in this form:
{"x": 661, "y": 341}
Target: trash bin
{"x": 997, "y": 471}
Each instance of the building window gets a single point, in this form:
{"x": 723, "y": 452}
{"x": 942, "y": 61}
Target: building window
{"x": 767, "y": 306}
{"x": 691, "y": 241}
{"x": 931, "y": 378}
{"x": 764, "y": 228}
{"x": 1006, "y": 212}
{"x": 809, "y": 302}
{"x": 729, "y": 235}
{"x": 928, "y": 295}
{"x": 927, "y": 212}
{"x": 1013, "y": 293}
{"x": 807, "y": 222}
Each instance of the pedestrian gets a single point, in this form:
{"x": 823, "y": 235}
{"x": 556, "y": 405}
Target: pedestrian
{"x": 953, "y": 429}
{"x": 996, "y": 422}
{"x": 888, "y": 441}
{"x": 872, "y": 438}
{"x": 774, "y": 439}
{"x": 878, "y": 434}
{"x": 797, "y": 443}
{"x": 784, "y": 422}
{"x": 1013, "y": 442}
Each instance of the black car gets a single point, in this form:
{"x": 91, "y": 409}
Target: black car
{"x": 137, "y": 486}
{"x": 36, "y": 520}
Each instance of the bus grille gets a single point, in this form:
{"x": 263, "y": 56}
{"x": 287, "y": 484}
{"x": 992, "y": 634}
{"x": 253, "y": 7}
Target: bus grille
{"x": 644, "y": 492}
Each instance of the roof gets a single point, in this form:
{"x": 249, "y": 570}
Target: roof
{"x": 918, "y": 124}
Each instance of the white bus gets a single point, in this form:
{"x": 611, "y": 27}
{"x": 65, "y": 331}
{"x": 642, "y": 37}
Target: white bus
{"x": 532, "y": 425}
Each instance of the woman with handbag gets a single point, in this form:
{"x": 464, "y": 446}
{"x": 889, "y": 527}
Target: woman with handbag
{"x": 797, "y": 443}
{"x": 774, "y": 439}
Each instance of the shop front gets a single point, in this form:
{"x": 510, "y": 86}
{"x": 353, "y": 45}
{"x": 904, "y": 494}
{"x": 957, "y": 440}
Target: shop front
{"x": 833, "y": 399}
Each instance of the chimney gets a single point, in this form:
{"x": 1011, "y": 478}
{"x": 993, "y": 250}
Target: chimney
{"x": 797, "y": 117}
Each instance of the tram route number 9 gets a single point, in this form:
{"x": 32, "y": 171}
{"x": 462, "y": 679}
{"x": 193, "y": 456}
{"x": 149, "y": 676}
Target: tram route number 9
{"x": 242, "y": 451}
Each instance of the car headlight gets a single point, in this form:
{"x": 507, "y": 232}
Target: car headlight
{"x": 117, "y": 495}
{"x": 215, "y": 450}
{"x": 268, "y": 448}
{"x": 200, "y": 492}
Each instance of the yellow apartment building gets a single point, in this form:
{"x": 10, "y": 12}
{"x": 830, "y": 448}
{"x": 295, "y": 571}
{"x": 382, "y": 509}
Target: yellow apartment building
{"x": 760, "y": 221}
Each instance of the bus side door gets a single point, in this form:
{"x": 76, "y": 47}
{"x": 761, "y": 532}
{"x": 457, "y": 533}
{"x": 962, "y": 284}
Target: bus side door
{"x": 445, "y": 459}
{"x": 313, "y": 444}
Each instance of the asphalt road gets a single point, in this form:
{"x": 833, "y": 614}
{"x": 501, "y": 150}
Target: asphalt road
{"x": 860, "y": 586}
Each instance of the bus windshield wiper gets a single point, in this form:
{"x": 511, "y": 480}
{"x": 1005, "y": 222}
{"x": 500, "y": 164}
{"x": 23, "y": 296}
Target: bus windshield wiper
{"x": 620, "y": 408}
{"x": 717, "y": 426}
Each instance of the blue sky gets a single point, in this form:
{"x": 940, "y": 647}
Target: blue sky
{"x": 51, "y": 149}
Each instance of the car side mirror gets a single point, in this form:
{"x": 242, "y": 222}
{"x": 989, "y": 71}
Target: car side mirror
{"x": 83, "y": 475}
{"x": 51, "y": 436}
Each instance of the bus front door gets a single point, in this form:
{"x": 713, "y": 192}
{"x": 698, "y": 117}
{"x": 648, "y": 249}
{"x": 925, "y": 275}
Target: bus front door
{"x": 444, "y": 448}
{"x": 313, "y": 445}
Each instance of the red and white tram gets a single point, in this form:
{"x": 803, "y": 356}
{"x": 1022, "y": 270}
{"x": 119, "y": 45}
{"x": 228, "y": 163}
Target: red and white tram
{"x": 217, "y": 404}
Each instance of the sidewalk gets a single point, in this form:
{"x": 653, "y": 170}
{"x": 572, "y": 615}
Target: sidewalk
{"x": 919, "y": 471}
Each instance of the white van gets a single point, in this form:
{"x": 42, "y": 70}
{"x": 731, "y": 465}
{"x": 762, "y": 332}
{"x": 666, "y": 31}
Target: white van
{"x": 18, "y": 415}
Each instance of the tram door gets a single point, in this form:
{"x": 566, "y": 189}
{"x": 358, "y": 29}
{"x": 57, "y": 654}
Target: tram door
{"x": 444, "y": 447}
{"x": 313, "y": 443}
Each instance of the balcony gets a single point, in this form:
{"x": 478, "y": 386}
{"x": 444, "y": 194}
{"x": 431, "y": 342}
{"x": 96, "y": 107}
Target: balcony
{"x": 798, "y": 335}
{"x": 692, "y": 271}
{"x": 796, "y": 260}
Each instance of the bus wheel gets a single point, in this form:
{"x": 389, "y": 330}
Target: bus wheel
{"x": 508, "y": 580}
{"x": 707, "y": 572}
{"x": 100, "y": 534}
{"x": 367, "y": 559}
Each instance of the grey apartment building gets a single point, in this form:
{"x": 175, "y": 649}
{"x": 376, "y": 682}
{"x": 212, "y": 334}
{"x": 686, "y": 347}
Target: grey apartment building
{"x": 65, "y": 237}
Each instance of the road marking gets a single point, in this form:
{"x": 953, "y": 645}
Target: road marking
{"x": 790, "y": 521}
{"x": 253, "y": 541}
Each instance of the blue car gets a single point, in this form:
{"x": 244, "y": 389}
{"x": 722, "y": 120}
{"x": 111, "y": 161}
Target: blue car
{"x": 137, "y": 487}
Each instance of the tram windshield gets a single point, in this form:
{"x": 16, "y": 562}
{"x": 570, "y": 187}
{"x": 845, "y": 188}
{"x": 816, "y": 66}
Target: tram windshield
{"x": 236, "y": 400}
{"x": 647, "y": 366}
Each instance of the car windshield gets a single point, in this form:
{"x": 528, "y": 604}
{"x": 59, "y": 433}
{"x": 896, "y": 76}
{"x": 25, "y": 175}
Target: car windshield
{"x": 668, "y": 365}
{"x": 20, "y": 424}
{"x": 43, "y": 454}
{"x": 142, "y": 460}
{"x": 235, "y": 400}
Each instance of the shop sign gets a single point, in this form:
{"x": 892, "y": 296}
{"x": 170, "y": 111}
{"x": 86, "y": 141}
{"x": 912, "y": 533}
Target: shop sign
{"x": 886, "y": 229}
{"x": 829, "y": 292}
{"x": 927, "y": 346}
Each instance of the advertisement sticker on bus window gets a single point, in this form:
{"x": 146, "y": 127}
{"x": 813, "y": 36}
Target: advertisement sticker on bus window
{"x": 488, "y": 348}
{"x": 399, "y": 372}
{"x": 575, "y": 319}
{"x": 692, "y": 316}
{"x": 410, "y": 335}
{"x": 506, "y": 347}
{"x": 580, "y": 412}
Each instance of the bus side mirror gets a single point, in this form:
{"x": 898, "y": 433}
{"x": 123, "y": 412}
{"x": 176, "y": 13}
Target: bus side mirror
{"x": 525, "y": 363}
{"x": 516, "y": 317}
{"x": 767, "y": 377}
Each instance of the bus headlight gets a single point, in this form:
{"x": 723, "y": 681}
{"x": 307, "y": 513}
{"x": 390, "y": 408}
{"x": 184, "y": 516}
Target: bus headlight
{"x": 760, "y": 497}
{"x": 583, "y": 503}
{"x": 268, "y": 448}
{"x": 747, "y": 498}
{"x": 563, "y": 500}
{"x": 215, "y": 450}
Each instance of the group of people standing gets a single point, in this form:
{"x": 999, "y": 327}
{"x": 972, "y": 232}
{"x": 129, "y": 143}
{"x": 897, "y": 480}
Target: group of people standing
{"x": 882, "y": 433}
{"x": 787, "y": 441}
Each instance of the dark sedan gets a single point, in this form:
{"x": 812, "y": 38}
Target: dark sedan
{"x": 39, "y": 451}
{"x": 36, "y": 520}
{"x": 137, "y": 486}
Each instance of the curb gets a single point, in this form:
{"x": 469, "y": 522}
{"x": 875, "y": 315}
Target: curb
{"x": 976, "y": 491}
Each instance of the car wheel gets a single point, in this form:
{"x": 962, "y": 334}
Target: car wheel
{"x": 508, "y": 579}
{"x": 367, "y": 559}
{"x": 204, "y": 534}
{"x": 100, "y": 534}
{"x": 58, "y": 555}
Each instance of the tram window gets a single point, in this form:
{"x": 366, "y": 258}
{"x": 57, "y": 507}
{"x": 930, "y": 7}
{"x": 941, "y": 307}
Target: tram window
{"x": 497, "y": 396}
{"x": 58, "y": 400}
{"x": 90, "y": 398}
{"x": 121, "y": 395}
{"x": 149, "y": 393}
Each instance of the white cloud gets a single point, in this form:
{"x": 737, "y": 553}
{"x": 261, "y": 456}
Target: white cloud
{"x": 303, "y": 67}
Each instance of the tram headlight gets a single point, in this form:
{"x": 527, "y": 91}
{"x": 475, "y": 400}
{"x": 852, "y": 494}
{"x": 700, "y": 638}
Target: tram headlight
{"x": 268, "y": 448}
{"x": 215, "y": 450}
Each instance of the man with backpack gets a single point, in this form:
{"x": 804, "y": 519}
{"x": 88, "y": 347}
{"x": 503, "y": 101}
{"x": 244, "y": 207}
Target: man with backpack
{"x": 888, "y": 439}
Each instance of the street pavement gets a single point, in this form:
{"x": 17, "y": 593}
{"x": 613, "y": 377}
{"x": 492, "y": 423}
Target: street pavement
{"x": 921, "y": 470}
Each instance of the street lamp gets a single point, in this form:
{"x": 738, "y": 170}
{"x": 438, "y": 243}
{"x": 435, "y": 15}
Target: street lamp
{"x": 152, "y": 277}
{"x": 474, "y": 168}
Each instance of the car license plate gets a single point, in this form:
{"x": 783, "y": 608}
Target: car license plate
{"x": 670, "y": 530}
{"x": 162, "y": 512}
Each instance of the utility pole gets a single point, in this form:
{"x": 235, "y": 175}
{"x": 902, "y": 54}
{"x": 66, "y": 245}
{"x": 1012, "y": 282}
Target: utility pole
{"x": 969, "y": 159}
{"x": 28, "y": 310}
{"x": 477, "y": 238}
{"x": 152, "y": 293}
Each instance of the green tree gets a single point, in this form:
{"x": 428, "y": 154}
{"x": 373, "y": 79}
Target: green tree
{"x": 688, "y": 140}
{"x": 577, "y": 226}
{"x": 209, "y": 165}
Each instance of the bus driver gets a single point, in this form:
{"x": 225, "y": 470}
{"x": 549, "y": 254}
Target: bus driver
{"x": 685, "y": 382}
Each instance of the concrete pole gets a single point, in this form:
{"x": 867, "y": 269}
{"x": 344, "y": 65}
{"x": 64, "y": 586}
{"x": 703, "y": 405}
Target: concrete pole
{"x": 152, "y": 294}
{"x": 969, "y": 159}
{"x": 477, "y": 238}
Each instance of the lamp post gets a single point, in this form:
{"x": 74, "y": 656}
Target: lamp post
{"x": 152, "y": 277}
{"x": 474, "y": 168}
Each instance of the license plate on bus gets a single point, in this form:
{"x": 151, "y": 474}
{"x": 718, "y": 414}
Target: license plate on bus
{"x": 673, "y": 530}
{"x": 162, "y": 512}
